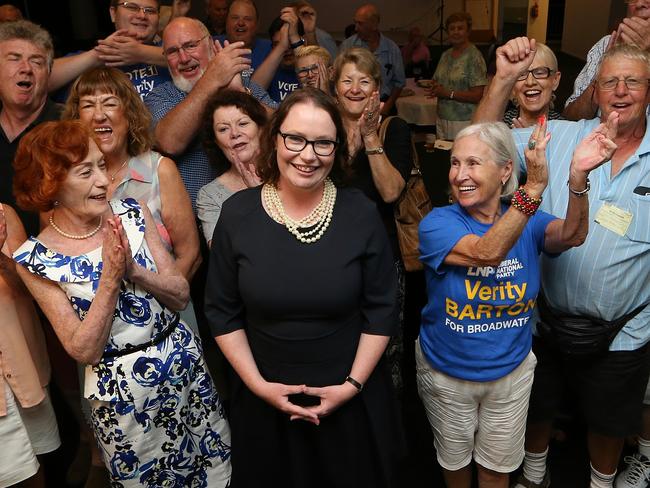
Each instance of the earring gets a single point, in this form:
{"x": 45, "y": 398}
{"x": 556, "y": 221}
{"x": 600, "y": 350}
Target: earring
{"x": 56, "y": 203}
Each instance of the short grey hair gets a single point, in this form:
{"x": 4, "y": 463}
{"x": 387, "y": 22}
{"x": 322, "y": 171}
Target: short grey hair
{"x": 499, "y": 139}
{"x": 547, "y": 53}
{"x": 30, "y": 32}
{"x": 628, "y": 51}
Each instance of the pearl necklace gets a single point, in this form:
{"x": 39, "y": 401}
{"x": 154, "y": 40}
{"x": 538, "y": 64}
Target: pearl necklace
{"x": 73, "y": 236}
{"x": 118, "y": 170}
{"x": 317, "y": 221}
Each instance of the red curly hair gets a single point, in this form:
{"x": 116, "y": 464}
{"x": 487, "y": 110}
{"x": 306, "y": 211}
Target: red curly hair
{"x": 43, "y": 159}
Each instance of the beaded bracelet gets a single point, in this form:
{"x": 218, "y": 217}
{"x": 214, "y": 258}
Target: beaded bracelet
{"x": 523, "y": 202}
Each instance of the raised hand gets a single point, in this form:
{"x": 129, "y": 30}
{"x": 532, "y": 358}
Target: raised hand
{"x": 517, "y": 123}
{"x": 121, "y": 48}
{"x": 323, "y": 77}
{"x": 635, "y": 31}
{"x": 288, "y": 15}
{"x": 229, "y": 60}
{"x": 129, "y": 263}
{"x": 113, "y": 261}
{"x": 515, "y": 56}
{"x": 598, "y": 147}
{"x": 370, "y": 119}
{"x": 308, "y": 16}
{"x": 613, "y": 40}
{"x": 246, "y": 170}
{"x": 180, "y": 8}
{"x": 536, "y": 164}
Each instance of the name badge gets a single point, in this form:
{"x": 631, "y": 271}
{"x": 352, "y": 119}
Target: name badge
{"x": 614, "y": 218}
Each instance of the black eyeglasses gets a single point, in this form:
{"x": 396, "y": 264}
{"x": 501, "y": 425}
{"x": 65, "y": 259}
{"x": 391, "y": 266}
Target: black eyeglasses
{"x": 632, "y": 84}
{"x": 135, "y": 8}
{"x": 303, "y": 72}
{"x": 189, "y": 47}
{"x": 296, "y": 143}
{"x": 540, "y": 73}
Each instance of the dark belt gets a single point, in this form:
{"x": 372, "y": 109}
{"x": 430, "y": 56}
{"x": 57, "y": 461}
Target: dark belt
{"x": 156, "y": 339}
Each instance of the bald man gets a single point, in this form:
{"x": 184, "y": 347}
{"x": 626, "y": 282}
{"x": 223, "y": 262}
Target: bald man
{"x": 9, "y": 13}
{"x": 366, "y": 22}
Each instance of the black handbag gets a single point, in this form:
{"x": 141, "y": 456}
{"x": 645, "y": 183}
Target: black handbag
{"x": 578, "y": 335}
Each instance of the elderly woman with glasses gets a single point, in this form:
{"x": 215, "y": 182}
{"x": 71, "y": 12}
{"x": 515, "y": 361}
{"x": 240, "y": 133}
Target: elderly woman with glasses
{"x": 301, "y": 297}
{"x": 474, "y": 360}
{"x": 533, "y": 89}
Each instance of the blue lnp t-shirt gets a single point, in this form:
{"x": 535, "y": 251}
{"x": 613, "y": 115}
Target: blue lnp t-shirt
{"x": 284, "y": 82}
{"x": 476, "y": 324}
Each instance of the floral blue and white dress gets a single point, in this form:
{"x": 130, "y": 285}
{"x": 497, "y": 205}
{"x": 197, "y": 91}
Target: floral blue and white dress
{"x": 155, "y": 412}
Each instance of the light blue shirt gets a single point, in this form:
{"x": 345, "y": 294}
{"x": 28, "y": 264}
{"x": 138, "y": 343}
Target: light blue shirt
{"x": 325, "y": 40}
{"x": 390, "y": 59}
{"x": 609, "y": 275}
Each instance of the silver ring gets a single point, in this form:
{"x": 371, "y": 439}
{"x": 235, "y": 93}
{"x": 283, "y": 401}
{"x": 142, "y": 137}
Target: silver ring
{"x": 532, "y": 144}
{"x": 370, "y": 115}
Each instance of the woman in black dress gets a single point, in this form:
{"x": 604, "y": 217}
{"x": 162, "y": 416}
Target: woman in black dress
{"x": 379, "y": 168}
{"x": 301, "y": 297}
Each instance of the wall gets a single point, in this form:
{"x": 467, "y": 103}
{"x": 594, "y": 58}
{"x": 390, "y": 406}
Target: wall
{"x": 396, "y": 15}
{"x": 585, "y": 21}
{"x": 537, "y": 27}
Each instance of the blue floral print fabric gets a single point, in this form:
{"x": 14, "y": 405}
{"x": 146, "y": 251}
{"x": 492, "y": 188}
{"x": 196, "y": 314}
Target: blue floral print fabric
{"x": 156, "y": 413}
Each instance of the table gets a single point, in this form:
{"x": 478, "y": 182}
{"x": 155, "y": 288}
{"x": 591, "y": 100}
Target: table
{"x": 417, "y": 109}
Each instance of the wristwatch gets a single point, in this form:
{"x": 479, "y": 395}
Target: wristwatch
{"x": 298, "y": 43}
{"x": 376, "y": 150}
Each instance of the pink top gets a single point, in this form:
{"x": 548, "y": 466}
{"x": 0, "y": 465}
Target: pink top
{"x": 420, "y": 53}
{"x": 24, "y": 364}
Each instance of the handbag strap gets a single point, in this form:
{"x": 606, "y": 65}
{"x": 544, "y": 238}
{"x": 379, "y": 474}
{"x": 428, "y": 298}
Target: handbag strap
{"x": 382, "y": 137}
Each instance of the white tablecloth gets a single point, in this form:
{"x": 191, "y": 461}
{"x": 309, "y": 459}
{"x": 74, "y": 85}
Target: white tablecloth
{"x": 417, "y": 109}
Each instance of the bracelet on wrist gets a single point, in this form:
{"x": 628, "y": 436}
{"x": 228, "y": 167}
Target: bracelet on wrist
{"x": 354, "y": 383}
{"x": 523, "y": 202}
{"x": 581, "y": 193}
{"x": 375, "y": 150}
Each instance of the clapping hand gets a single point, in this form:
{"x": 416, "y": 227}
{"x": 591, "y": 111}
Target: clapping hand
{"x": 515, "y": 57}
{"x": 635, "y": 31}
{"x": 323, "y": 77}
{"x": 536, "y": 164}
{"x": 246, "y": 170}
{"x": 597, "y": 148}
{"x": 308, "y": 17}
{"x": 180, "y": 8}
{"x": 229, "y": 61}
{"x": 371, "y": 117}
{"x": 288, "y": 15}
{"x": 121, "y": 48}
{"x": 113, "y": 253}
